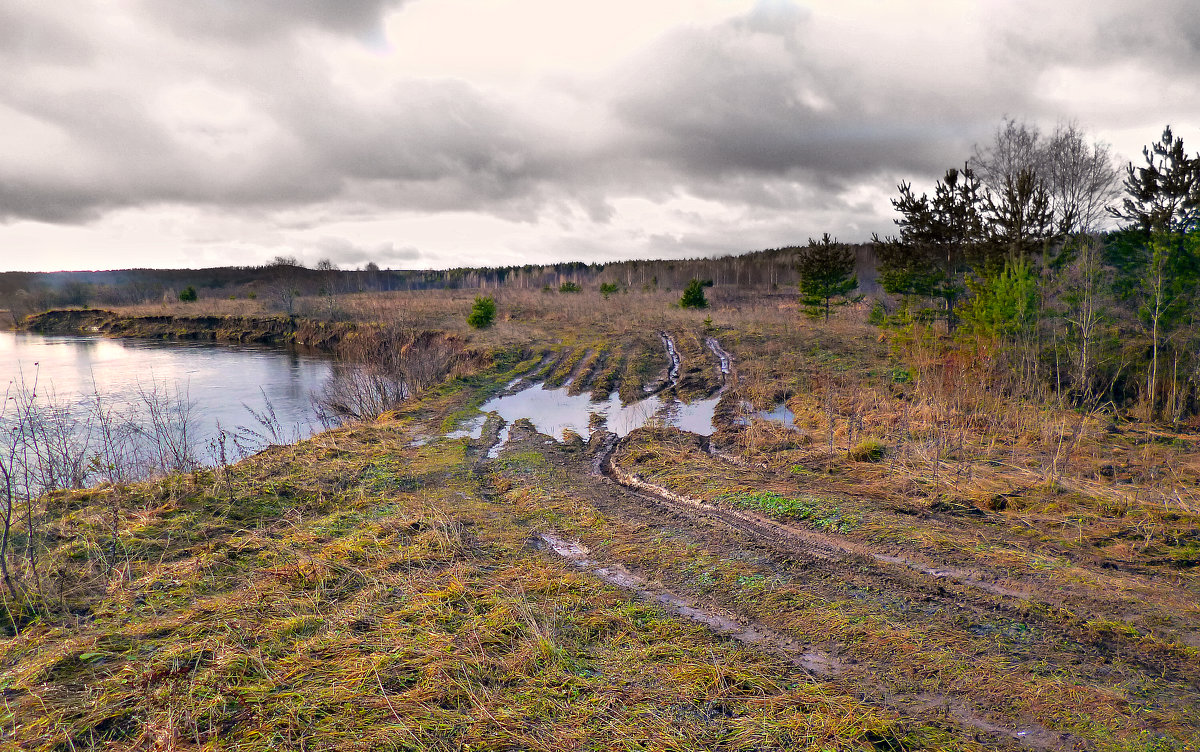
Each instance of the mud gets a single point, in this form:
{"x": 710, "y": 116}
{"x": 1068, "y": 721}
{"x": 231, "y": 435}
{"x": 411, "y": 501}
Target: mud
{"x": 819, "y": 663}
{"x": 526, "y": 381}
{"x": 990, "y": 615}
{"x": 558, "y": 411}
{"x": 676, "y": 362}
{"x": 724, "y": 359}
{"x": 966, "y": 594}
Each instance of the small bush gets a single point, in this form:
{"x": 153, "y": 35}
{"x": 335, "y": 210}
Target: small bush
{"x": 607, "y": 288}
{"x": 482, "y": 314}
{"x": 870, "y": 450}
{"x": 878, "y": 314}
{"x": 569, "y": 287}
{"x": 693, "y": 296}
{"x": 188, "y": 295}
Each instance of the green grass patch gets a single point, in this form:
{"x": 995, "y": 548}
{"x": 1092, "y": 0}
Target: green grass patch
{"x": 811, "y": 508}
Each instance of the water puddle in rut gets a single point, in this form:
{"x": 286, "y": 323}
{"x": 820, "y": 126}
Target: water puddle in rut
{"x": 780, "y": 414}
{"x": 554, "y": 412}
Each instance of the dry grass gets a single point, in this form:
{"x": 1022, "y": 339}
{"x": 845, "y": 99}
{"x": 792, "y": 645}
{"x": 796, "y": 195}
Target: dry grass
{"x": 356, "y": 591}
{"x": 360, "y": 593}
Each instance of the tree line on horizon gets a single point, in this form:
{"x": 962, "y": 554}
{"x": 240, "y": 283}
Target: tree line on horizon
{"x": 284, "y": 280}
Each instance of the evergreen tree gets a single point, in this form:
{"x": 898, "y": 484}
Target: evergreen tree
{"x": 693, "y": 295}
{"x": 1019, "y": 219}
{"x": 1156, "y": 256}
{"x": 1165, "y": 194}
{"x": 1004, "y": 306}
{"x": 826, "y": 269}
{"x": 482, "y": 314}
{"x": 937, "y": 237}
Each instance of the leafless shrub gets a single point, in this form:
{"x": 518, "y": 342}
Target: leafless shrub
{"x": 169, "y": 428}
{"x": 48, "y": 444}
{"x": 379, "y": 368}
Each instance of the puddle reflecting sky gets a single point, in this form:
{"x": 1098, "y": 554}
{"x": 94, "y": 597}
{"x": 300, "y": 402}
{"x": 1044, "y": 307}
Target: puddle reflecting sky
{"x": 781, "y": 414}
{"x": 553, "y": 412}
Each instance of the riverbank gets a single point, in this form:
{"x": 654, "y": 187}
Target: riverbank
{"x": 267, "y": 330}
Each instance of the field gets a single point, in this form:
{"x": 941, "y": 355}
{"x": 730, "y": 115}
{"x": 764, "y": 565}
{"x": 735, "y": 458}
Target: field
{"x": 920, "y": 561}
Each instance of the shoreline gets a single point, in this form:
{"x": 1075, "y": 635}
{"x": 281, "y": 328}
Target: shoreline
{"x": 273, "y": 330}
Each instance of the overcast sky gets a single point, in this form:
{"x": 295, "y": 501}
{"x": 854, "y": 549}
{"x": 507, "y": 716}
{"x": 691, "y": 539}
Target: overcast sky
{"x": 435, "y": 133}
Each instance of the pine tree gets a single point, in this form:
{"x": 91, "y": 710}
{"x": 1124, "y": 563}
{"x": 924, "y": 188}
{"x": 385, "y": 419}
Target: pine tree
{"x": 1157, "y": 255}
{"x": 483, "y": 313}
{"x": 1165, "y": 194}
{"x": 693, "y": 295}
{"x": 826, "y": 269}
{"x": 937, "y": 237}
{"x": 1019, "y": 218}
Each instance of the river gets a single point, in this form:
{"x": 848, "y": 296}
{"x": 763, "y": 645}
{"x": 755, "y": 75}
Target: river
{"x": 221, "y": 383}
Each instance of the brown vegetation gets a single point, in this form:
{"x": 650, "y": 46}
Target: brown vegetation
{"x": 1003, "y": 573}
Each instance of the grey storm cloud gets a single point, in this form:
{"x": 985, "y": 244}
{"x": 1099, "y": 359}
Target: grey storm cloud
{"x": 752, "y": 111}
{"x": 750, "y": 98}
{"x": 344, "y": 253}
{"x": 258, "y": 19}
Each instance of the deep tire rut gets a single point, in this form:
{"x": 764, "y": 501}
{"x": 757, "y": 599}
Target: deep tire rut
{"x": 950, "y": 586}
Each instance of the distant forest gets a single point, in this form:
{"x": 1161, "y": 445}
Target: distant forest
{"x": 29, "y": 292}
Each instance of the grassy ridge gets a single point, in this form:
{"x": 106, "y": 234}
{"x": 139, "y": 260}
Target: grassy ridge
{"x": 357, "y": 592}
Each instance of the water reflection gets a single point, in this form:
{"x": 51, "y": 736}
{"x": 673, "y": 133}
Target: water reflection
{"x": 554, "y": 412}
{"x": 220, "y": 380}
{"x": 780, "y": 414}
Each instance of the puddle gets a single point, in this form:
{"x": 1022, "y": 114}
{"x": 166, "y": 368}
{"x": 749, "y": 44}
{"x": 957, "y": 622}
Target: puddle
{"x": 725, "y": 358}
{"x": 472, "y": 429}
{"x": 501, "y": 440}
{"x": 780, "y": 414}
{"x": 554, "y": 412}
{"x": 673, "y": 354}
{"x": 696, "y": 417}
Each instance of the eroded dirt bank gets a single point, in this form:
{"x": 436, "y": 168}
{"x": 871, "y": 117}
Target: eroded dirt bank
{"x": 273, "y": 330}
